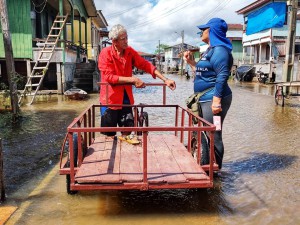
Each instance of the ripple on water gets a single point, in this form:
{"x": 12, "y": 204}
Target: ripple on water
{"x": 257, "y": 185}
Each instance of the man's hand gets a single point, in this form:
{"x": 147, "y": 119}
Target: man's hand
{"x": 138, "y": 83}
{"x": 171, "y": 84}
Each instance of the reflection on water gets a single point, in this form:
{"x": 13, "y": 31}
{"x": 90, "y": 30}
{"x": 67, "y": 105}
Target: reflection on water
{"x": 258, "y": 184}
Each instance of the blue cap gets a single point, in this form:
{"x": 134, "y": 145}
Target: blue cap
{"x": 214, "y": 22}
{"x": 217, "y": 32}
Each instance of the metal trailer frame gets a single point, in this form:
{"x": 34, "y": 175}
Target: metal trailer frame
{"x": 84, "y": 126}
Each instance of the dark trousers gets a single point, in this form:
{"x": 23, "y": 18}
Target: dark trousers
{"x": 120, "y": 117}
{"x": 208, "y": 115}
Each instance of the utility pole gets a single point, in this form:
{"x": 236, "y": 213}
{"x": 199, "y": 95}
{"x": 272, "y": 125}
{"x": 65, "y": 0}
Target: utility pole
{"x": 182, "y": 50}
{"x": 159, "y": 55}
{"x": 290, "y": 42}
{"x": 10, "y": 65}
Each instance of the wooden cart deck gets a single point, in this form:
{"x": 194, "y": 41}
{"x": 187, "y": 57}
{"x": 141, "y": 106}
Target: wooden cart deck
{"x": 118, "y": 162}
{"x": 162, "y": 160}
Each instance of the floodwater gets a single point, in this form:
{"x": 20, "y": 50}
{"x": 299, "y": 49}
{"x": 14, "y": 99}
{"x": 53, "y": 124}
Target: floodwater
{"x": 258, "y": 184}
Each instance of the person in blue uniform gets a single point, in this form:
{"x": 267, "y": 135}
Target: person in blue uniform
{"x": 211, "y": 75}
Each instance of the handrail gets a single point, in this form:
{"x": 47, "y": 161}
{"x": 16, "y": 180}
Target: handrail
{"x": 81, "y": 126}
{"x": 85, "y": 127}
{"x": 79, "y": 118}
{"x": 146, "y": 84}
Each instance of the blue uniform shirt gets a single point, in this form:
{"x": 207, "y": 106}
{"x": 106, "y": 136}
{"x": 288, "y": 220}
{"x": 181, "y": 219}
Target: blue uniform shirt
{"x": 213, "y": 70}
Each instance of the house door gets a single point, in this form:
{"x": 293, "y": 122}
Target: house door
{"x": 267, "y": 52}
{"x": 257, "y": 51}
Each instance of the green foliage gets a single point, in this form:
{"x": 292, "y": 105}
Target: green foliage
{"x": 161, "y": 48}
{"x": 4, "y": 98}
{"x": 5, "y": 119}
{"x": 6, "y": 124}
{"x": 19, "y": 80}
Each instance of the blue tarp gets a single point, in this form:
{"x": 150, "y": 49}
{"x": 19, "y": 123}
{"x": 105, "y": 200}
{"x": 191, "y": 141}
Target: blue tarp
{"x": 271, "y": 15}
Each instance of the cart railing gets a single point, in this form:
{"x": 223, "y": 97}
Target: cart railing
{"x": 84, "y": 126}
{"x": 106, "y": 85}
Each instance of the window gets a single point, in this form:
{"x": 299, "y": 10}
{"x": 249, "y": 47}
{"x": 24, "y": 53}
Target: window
{"x": 247, "y": 50}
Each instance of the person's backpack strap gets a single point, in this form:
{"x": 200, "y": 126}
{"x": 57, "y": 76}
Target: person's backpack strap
{"x": 193, "y": 103}
{"x": 209, "y": 53}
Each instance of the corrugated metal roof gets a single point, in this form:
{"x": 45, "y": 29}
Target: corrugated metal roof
{"x": 252, "y": 6}
{"x": 100, "y": 20}
{"x": 90, "y": 8}
{"x": 234, "y": 26}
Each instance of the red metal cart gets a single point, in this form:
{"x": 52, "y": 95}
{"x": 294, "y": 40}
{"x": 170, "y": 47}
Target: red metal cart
{"x": 163, "y": 159}
{"x": 281, "y": 94}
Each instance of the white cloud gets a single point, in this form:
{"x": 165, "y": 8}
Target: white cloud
{"x": 147, "y": 22}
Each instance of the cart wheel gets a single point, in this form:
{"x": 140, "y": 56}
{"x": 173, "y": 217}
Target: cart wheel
{"x": 146, "y": 119}
{"x": 194, "y": 147}
{"x": 75, "y": 148}
{"x": 68, "y": 183}
{"x": 204, "y": 148}
{"x": 279, "y": 97}
{"x": 68, "y": 178}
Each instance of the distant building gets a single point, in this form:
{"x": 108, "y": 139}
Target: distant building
{"x": 30, "y": 24}
{"x": 172, "y": 61}
{"x": 149, "y": 57}
{"x": 265, "y": 35}
{"x": 235, "y": 35}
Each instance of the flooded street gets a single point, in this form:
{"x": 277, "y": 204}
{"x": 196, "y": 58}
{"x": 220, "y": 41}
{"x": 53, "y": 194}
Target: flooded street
{"x": 259, "y": 182}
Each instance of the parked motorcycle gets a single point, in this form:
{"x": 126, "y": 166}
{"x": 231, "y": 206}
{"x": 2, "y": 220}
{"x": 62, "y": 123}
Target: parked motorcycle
{"x": 262, "y": 77}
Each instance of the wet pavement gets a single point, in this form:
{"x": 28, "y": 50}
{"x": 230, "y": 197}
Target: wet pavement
{"x": 259, "y": 182}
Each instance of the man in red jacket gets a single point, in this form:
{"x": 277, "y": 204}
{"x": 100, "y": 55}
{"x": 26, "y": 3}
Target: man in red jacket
{"x": 115, "y": 63}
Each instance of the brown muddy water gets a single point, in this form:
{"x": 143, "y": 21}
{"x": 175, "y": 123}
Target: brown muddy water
{"x": 259, "y": 182}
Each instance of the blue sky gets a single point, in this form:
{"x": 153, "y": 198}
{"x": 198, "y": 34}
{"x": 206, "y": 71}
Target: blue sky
{"x": 151, "y": 21}
{"x": 153, "y": 2}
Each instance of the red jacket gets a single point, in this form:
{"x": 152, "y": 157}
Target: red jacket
{"x": 112, "y": 67}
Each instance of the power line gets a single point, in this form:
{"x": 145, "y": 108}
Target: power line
{"x": 220, "y": 6}
{"x": 118, "y": 13}
{"x": 43, "y": 5}
{"x": 179, "y": 7}
{"x": 145, "y": 41}
{"x": 165, "y": 14}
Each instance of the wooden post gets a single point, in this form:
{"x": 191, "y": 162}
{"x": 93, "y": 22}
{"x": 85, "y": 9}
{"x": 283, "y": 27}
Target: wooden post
{"x": 10, "y": 65}
{"x": 182, "y": 43}
{"x": 288, "y": 66}
{"x": 2, "y": 197}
